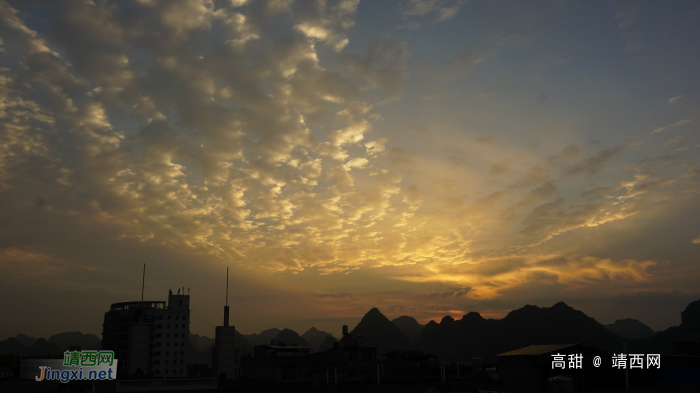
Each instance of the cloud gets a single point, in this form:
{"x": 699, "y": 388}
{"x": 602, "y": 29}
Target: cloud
{"x": 551, "y": 58}
{"x": 335, "y": 295}
{"x": 627, "y": 12}
{"x": 419, "y": 7}
{"x": 212, "y": 134}
{"x": 484, "y": 139}
{"x": 383, "y": 68}
{"x": 676, "y": 124}
{"x": 329, "y": 26}
{"x": 443, "y": 9}
{"x": 449, "y": 11}
{"x": 594, "y": 164}
{"x": 673, "y": 100}
{"x": 490, "y": 278}
{"x": 429, "y": 94}
{"x": 400, "y": 157}
{"x": 499, "y": 168}
{"x": 461, "y": 64}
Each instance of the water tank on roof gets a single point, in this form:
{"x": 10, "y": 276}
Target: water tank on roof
{"x": 561, "y": 383}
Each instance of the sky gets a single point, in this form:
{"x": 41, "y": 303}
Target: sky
{"x": 425, "y": 157}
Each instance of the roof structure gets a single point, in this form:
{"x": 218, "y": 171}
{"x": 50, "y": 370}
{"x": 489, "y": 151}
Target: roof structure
{"x": 286, "y": 346}
{"x": 537, "y": 350}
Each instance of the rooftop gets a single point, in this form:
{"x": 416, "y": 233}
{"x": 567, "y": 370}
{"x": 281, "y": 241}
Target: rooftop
{"x": 537, "y": 350}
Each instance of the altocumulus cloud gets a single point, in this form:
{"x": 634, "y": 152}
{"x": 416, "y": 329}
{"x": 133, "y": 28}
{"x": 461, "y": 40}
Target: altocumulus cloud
{"x": 216, "y": 130}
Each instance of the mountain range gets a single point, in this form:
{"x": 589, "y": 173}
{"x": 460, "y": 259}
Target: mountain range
{"x": 630, "y": 329}
{"x": 461, "y": 339}
{"x": 56, "y": 344}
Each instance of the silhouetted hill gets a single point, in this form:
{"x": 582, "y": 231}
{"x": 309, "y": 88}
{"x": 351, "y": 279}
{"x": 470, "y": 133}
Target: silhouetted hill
{"x": 12, "y": 346}
{"x": 43, "y": 347}
{"x": 380, "y": 332}
{"x": 290, "y": 337}
{"x": 409, "y": 327}
{"x": 315, "y": 337}
{"x": 263, "y": 338}
{"x": 474, "y": 336}
{"x": 242, "y": 342}
{"x": 630, "y": 329}
{"x": 202, "y": 343}
{"x": 39, "y": 348}
{"x": 327, "y": 343}
{"x": 661, "y": 341}
{"x": 196, "y": 355}
{"x": 25, "y": 340}
{"x": 65, "y": 340}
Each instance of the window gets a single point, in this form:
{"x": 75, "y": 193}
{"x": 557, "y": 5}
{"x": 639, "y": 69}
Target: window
{"x": 291, "y": 374}
{"x": 166, "y": 370}
{"x": 159, "y": 326}
{"x": 174, "y": 371}
{"x": 157, "y": 361}
{"x": 157, "y": 371}
{"x": 182, "y": 352}
{"x": 168, "y": 326}
{"x": 182, "y": 362}
{"x": 158, "y": 335}
{"x": 181, "y": 302}
{"x": 167, "y": 352}
{"x": 352, "y": 375}
{"x": 352, "y": 356}
{"x": 367, "y": 357}
{"x": 167, "y": 344}
{"x": 157, "y": 343}
{"x": 157, "y": 353}
{"x": 167, "y": 334}
{"x": 166, "y": 362}
{"x": 177, "y": 317}
{"x": 175, "y": 343}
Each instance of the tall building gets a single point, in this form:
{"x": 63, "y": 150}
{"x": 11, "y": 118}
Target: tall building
{"x": 224, "y": 353}
{"x": 149, "y": 337}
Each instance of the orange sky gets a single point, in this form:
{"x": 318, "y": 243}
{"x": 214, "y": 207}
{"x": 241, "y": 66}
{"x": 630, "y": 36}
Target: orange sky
{"x": 347, "y": 155}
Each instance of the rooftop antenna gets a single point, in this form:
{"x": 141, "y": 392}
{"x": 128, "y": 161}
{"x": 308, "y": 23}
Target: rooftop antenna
{"x": 143, "y": 282}
{"x": 226, "y": 285}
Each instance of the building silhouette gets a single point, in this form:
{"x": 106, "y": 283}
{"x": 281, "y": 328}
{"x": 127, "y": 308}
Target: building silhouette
{"x": 149, "y": 338}
{"x": 224, "y": 353}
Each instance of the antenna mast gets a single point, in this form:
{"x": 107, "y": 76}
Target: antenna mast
{"x": 143, "y": 282}
{"x": 226, "y": 306}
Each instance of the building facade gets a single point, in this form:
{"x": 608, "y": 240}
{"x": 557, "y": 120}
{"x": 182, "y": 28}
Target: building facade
{"x": 277, "y": 363}
{"x": 224, "y": 353}
{"x": 149, "y": 338}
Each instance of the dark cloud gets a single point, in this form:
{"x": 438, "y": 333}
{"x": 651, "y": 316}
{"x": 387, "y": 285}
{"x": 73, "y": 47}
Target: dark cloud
{"x": 595, "y": 163}
{"x": 383, "y": 68}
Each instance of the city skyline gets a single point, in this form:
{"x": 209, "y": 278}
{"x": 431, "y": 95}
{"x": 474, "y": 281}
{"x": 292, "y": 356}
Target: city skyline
{"x": 425, "y": 157}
